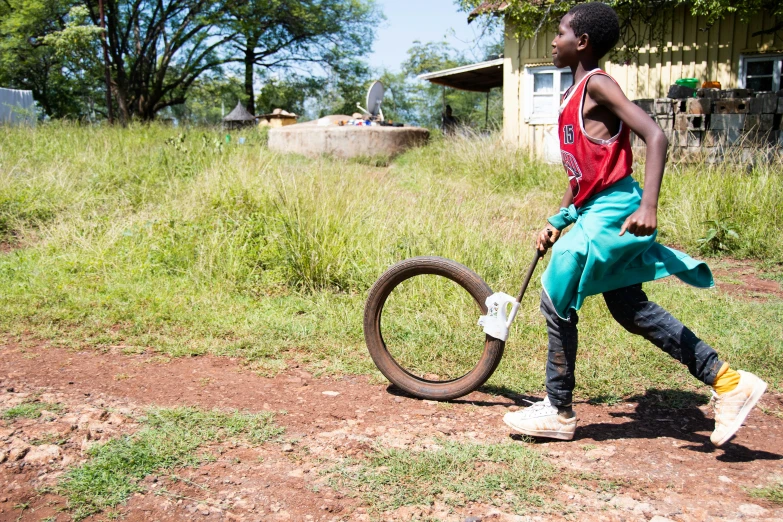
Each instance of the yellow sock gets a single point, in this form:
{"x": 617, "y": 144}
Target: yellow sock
{"x": 726, "y": 380}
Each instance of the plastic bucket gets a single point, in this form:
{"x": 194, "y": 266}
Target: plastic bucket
{"x": 693, "y": 83}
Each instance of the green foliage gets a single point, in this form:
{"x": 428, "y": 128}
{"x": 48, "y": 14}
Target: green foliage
{"x": 451, "y": 472}
{"x": 415, "y": 101}
{"x": 180, "y": 243}
{"x": 29, "y": 410}
{"x": 288, "y": 94}
{"x": 773, "y": 493}
{"x": 45, "y": 47}
{"x": 207, "y": 98}
{"x": 278, "y": 33}
{"x": 641, "y": 21}
{"x": 720, "y": 236}
{"x": 171, "y": 439}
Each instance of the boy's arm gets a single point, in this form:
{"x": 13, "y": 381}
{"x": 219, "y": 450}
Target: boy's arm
{"x": 547, "y": 237}
{"x": 604, "y": 91}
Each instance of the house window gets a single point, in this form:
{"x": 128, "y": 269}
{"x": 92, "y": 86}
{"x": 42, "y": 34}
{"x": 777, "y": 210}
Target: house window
{"x": 760, "y": 73}
{"x": 545, "y": 89}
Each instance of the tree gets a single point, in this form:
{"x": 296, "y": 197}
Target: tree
{"x": 207, "y": 97}
{"x": 48, "y": 47}
{"x": 157, "y": 49}
{"x": 281, "y": 33}
{"x": 289, "y": 93}
{"x": 421, "y": 102}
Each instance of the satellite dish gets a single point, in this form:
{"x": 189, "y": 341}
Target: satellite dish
{"x": 374, "y": 99}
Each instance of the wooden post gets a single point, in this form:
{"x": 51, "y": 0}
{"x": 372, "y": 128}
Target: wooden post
{"x": 486, "y": 112}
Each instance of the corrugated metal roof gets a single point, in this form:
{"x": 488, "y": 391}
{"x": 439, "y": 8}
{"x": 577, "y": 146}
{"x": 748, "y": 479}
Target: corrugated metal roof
{"x": 476, "y": 77}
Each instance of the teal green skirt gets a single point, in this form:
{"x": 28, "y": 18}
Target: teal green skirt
{"x": 593, "y": 257}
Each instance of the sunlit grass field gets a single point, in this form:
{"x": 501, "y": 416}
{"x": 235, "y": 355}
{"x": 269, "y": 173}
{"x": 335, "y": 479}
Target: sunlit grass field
{"x": 175, "y": 242}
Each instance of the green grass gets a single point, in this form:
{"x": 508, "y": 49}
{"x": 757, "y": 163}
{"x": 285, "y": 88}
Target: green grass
{"x": 456, "y": 473}
{"x": 773, "y": 493}
{"x": 171, "y": 439}
{"x": 177, "y": 243}
{"x": 29, "y": 410}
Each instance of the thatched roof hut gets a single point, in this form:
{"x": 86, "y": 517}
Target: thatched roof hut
{"x": 239, "y": 117}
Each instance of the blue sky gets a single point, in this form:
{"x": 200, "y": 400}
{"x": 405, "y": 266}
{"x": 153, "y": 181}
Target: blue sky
{"x": 425, "y": 20}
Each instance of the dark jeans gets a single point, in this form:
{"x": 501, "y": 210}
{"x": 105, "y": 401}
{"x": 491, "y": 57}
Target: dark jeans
{"x": 629, "y": 307}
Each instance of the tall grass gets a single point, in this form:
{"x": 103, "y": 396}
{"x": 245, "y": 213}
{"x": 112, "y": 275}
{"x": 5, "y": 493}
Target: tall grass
{"x": 157, "y": 239}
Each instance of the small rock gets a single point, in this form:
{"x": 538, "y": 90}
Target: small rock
{"x": 752, "y": 510}
{"x": 624, "y": 502}
{"x": 203, "y": 509}
{"x": 643, "y": 508}
{"x": 43, "y": 454}
{"x": 115, "y": 419}
{"x": 472, "y": 519}
{"x": 297, "y": 473}
{"x": 17, "y": 449}
{"x": 724, "y": 478}
{"x": 659, "y": 518}
{"x": 331, "y": 393}
{"x": 287, "y": 448}
{"x": 601, "y": 453}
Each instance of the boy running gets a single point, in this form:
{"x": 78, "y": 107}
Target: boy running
{"x": 611, "y": 249}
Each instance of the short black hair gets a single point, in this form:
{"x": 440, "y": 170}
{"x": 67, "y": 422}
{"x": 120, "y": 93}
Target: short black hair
{"x": 598, "y": 21}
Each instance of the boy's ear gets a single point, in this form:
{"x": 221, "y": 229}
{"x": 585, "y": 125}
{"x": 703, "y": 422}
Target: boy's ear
{"x": 582, "y": 42}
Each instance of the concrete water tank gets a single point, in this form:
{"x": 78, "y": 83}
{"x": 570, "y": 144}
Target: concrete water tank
{"x": 346, "y": 141}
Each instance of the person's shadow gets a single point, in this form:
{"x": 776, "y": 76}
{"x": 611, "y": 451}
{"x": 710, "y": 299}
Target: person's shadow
{"x": 674, "y": 414}
{"x": 658, "y": 413}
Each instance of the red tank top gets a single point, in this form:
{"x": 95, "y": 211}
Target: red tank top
{"x": 592, "y": 165}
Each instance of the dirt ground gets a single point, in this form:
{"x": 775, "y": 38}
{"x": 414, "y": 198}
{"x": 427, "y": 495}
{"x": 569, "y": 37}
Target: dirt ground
{"x": 636, "y": 460}
{"x": 659, "y": 459}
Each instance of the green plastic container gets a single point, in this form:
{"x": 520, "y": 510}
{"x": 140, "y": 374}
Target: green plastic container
{"x": 693, "y": 83}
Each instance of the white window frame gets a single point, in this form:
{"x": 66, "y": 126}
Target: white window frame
{"x": 542, "y": 119}
{"x": 776, "y": 68}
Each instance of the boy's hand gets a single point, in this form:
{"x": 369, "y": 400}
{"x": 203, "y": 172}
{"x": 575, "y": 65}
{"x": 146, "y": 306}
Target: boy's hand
{"x": 643, "y": 222}
{"x": 546, "y": 239}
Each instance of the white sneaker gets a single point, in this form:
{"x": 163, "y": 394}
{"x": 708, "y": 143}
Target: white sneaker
{"x": 542, "y": 420}
{"x": 731, "y": 408}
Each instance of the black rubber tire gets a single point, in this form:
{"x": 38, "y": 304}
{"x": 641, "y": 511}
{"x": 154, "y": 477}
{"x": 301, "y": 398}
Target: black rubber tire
{"x": 410, "y": 383}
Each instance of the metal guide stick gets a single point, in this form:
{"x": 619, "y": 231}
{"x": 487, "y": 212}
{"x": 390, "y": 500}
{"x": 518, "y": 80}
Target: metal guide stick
{"x": 529, "y": 274}
{"x": 515, "y": 307}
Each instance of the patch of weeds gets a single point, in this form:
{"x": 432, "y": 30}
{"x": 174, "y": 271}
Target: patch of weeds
{"x": 772, "y": 412}
{"x": 377, "y": 161}
{"x": 268, "y": 367}
{"x": 30, "y": 410}
{"x": 49, "y": 438}
{"x": 720, "y": 236}
{"x": 598, "y": 483}
{"x": 588, "y": 447}
{"x": 170, "y": 439}
{"x": 456, "y": 473}
{"x": 608, "y": 399}
{"x": 773, "y": 493}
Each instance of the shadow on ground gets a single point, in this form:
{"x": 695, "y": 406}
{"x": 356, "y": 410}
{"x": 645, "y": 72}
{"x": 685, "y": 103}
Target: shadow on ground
{"x": 674, "y": 414}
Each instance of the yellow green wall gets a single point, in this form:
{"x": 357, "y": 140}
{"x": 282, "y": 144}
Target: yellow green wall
{"x": 690, "y": 52}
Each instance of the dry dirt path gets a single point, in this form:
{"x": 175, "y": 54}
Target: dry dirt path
{"x": 657, "y": 461}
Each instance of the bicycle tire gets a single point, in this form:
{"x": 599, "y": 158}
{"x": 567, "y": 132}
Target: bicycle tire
{"x": 383, "y": 359}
